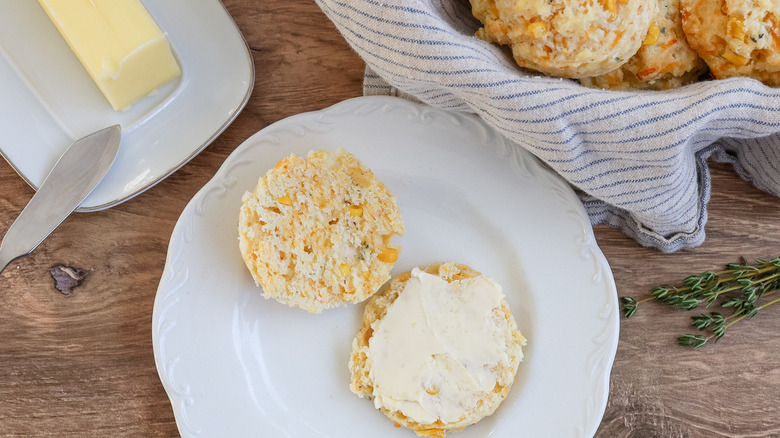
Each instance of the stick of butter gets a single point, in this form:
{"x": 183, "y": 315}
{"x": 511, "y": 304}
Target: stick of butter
{"x": 119, "y": 44}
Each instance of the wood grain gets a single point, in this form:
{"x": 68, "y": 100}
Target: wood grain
{"x": 82, "y": 365}
{"x": 730, "y": 388}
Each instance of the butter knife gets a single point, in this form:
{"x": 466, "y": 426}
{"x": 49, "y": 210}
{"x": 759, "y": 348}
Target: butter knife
{"x": 80, "y": 168}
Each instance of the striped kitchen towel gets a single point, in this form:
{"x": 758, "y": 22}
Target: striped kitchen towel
{"x": 637, "y": 159}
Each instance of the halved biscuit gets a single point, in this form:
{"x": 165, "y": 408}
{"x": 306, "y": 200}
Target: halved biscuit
{"x": 438, "y": 349}
{"x": 317, "y": 231}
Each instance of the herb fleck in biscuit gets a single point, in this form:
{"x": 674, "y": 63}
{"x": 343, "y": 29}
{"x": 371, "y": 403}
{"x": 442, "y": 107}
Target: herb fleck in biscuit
{"x": 437, "y": 350}
{"x": 567, "y": 38}
{"x": 316, "y": 232}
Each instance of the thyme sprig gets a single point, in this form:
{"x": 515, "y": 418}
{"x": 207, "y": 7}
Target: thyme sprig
{"x": 739, "y": 287}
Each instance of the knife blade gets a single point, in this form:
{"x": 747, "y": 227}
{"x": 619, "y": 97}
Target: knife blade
{"x": 75, "y": 174}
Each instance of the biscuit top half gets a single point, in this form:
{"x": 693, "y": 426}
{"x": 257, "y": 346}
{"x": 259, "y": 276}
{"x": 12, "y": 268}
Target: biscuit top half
{"x": 317, "y": 231}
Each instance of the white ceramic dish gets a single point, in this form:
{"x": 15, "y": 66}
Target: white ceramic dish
{"x": 235, "y": 364}
{"x": 47, "y": 99}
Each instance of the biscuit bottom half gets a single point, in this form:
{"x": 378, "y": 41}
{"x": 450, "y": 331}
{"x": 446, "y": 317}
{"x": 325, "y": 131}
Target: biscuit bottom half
{"x": 437, "y": 350}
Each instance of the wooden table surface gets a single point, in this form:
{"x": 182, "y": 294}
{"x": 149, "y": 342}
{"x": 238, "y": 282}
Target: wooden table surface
{"x": 82, "y": 364}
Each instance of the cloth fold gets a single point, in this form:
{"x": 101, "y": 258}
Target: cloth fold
{"x": 637, "y": 159}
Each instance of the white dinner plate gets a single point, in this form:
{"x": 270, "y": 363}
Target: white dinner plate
{"x": 48, "y": 100}
{"x": 237, "y": 365}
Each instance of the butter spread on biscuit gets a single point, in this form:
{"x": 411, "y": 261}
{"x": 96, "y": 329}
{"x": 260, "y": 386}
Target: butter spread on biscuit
{"x": 434, "y": 354}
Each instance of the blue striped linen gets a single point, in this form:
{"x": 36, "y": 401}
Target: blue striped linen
{"x": 638, "y": 160}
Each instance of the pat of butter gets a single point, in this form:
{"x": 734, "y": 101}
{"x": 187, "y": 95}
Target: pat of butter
{"x": 118, "y": 43}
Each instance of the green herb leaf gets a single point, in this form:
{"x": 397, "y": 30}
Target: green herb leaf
{"x": 740, "y": 287}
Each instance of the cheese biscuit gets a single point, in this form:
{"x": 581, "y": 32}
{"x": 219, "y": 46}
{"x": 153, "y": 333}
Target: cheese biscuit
{"x": 567, "y": 38}
{"x": 735, "y": 37}
{"x": 437, "y": 350}
{"x": 317, "y": 231}
{"x": 664, "y": 61}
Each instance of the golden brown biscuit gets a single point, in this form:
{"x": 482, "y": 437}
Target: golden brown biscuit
{"x": 567, "y": 38}
{"x": 316, "y": 232}
{"x": 735, "y": 37}
{"x": 435, "y": 387}
{"x": 664, "y": 61}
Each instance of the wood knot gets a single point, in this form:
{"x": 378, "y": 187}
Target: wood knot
{"x": 67, "y": 278}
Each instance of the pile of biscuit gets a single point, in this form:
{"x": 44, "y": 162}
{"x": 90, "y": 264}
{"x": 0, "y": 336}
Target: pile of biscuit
{"x": 316, "y": 232}
{"x": 638, "y": 44}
